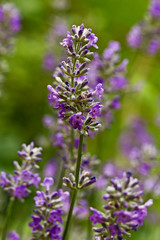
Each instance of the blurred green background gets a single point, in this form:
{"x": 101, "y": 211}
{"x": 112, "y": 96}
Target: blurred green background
{"x": 25, "y": 95}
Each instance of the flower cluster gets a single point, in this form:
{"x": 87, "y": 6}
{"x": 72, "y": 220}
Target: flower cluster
{"x": 10, "y": 24}
{"x": 17, "y": 185}
{"x": 124, "y": 209}
{"x": 138, "y": 145}
{"x": 71, "y": 94}
{"x": 109, "y": 72}
{"x": 145, "y": 35}
{"x": 47, "y": 219}
{"x": 14, "y": 236}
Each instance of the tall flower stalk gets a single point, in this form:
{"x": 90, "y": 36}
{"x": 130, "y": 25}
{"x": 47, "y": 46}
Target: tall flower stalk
{"x": 76, "y": 102}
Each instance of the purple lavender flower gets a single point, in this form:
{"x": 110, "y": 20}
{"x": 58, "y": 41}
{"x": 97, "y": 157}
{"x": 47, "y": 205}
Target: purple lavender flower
{"x": 99, "y": 90}
{"x": 145, "y": 35}
{"x": 21, "y": 191}
{"x": 50, "y": 168}
{"x": 47, "y": 218}
{"x": 153, "y": 46}
{"x": 49, "y": 62}
{"x": 26, "y": 175}
{"x": 14, "y": 236}
{"x": 97, "y": 216}
{"x": 76, "y": 120}
{"x": 39, "y": 199}
{"x": 59, "y": 140}
{"x": 3, "y": 179}
{"x": 92, "y": 40}
{"x": 47, "y": 182}
{"x": 81, "y": 210}
{"x": 115, "y": 103}
{"x": 107, "y": 76}
{"x": 47, "y": 121}
{"x": 135, "y": 37}
{"x": 118, "y": 82}
{"x": 120, "y": 216}
{"x": 155, "y": 8}
{"x": 71, "y": 94}
{"x": 112, "y": 48}
{"x": 17, "y": 185}
{"x": 95, "y": 111}
{"x": 1, "y": 13}
{"x": 30, "y": 153}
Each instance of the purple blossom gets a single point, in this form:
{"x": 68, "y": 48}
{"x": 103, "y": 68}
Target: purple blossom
{"x": 115, "y": 103}
{"x": 101, "y": 182}
{"x": 1, "y": 13}
{"x": 47, "y": 218}
{"x": 71, "y": 95}
{"x": 35, "y": 224}
{"x": 49, "y": 62}
{"x": 14, "y": 236}
{"x": 97, "y": 216}
{"x": 59, "y": 140}
{"x": 114, "y": 229}
{"x": 76, "y": 120}
{"x": 56, "y": 216}
{"x": 135, "y": 37}
{"x": 20, "y": 191}
{"x": 39, "y": 199}
{"x": 118, "y": 82}
{"x": 52, "y": 96}
{"x": 92, "y": 40}
{"x": 15, "y": 23}
{"x": 153, "y": 46}
{"x": 48, "y": 121}
{"x": 112, "y": 48}
{"x": 3, "y": 179}
{"x": 123, "y": 216}
{"x": 26, "y": 175}
{"x": 95, "y": 111}
{"x": 144, "y": 168}
{"x": 120, "y": 218}
{"x": 109, "y": 170}
{"x": 122, "y": 66}
{"x": 155, "y": 8}
{"x": 47, "y": 182}
{"x": 67, "y": 42}
{"x": 50, "y": 168}
{"x": 54, "y": 232}
{"x": 81, "y": 210}
{"x": 99, "y": 90}
{"x": 30, "y": 153}
{"x": 35, "y": 180}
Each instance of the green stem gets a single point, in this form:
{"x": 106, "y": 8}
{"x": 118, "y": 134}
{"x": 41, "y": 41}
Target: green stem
{"x": 63, "y": 169}
{"x": 74, "y": 191}
{"x": 70, "y": 214}
{"x": 79, "y": 159}
{"x": 74, "y": 63}
{"x": 6, "y": 220}
{"x": 72, "y": 144}
{"x": 132, "y": 64}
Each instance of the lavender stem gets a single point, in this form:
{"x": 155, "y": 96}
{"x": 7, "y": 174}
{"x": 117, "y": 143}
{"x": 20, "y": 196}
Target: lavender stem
{"x": 6, "y": 220}
{"x": 74, "y": 192}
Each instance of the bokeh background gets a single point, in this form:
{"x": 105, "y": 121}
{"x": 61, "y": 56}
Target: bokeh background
{"x": 24, "y": 102}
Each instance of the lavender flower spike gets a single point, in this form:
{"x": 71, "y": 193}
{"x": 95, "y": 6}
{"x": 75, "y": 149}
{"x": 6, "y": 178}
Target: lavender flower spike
{"x": 124, "y": 210}
{"x": 47, "y": 219}
{"x": 17, "y": 185}
{"x": 71, "y": 94}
